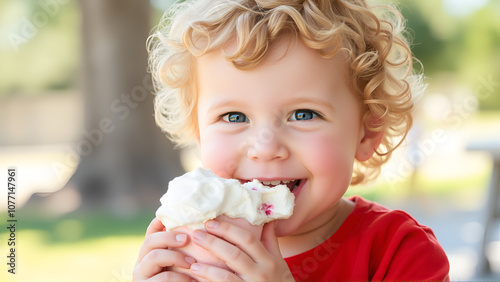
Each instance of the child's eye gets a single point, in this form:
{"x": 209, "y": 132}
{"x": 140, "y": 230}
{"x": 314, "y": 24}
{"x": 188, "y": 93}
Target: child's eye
{"x": 235, "y": 117}
{"x": 303, "y": 115}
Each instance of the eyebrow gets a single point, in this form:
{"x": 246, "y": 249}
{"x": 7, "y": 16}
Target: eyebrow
{"x": 320, "y": 101}
{"x": 221, "y": 103}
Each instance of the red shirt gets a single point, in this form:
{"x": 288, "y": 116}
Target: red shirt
{"x": 374, "y": 243}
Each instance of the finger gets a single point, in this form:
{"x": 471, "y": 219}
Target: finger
{"x": 162, "y": 240}
{"x": 269, "y": 239}
{"x": 213, "y": 273}
{"x": 155, "y": 226}
{"x": 162, "y": 276}
{"x": 169, "y": 276}
{"x": 235, "y": 247}
{"x": 154, "y": 262}
{"x": 238, "y": 236}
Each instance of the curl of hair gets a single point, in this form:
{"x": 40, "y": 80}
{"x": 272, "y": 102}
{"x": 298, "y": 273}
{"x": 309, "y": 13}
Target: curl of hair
{"x": 381, "y": 63}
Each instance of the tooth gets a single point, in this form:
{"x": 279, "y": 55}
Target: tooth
{"x": 266, "y": 182}
{"x": 275, "y": 182}
{"x": 285, "y": 181}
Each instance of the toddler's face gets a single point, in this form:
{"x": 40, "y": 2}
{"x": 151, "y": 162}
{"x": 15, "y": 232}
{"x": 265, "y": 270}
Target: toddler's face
{"x": 292, "y": 118}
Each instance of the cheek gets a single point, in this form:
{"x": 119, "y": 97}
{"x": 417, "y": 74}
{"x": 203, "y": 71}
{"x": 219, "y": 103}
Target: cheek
{"x": 219, "y": 153}
{"x": 331, "y": 158}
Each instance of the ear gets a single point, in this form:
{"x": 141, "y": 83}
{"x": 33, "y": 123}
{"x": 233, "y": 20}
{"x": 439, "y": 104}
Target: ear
{"x": 369, "y": 142}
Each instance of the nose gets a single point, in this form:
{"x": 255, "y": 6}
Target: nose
{"x": 267, "y": 146}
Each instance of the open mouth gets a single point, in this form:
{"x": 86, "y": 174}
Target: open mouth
{"x": 291, "y": 184}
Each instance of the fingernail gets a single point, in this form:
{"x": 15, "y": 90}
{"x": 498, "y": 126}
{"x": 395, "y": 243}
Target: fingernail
{"x": 198, "y": 235}
{"x": 212, "y": 224}
{"x": 180, "y": 238}
{"x": 190, "y": 260}
{"x": 195, "y": 267}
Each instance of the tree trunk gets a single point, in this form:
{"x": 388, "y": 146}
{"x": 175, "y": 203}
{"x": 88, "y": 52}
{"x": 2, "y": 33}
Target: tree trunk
{"x": 126, "y": 161}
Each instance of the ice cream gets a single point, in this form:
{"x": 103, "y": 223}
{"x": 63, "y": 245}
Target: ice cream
{"x": 200, "y": 195}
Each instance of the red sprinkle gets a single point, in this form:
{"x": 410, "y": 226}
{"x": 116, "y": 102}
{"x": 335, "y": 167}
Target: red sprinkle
{"x": 267, "y": 208}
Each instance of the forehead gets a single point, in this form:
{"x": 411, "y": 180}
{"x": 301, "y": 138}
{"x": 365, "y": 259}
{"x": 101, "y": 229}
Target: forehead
{"x": 285, "y": 45}
{"x": 287, "y": 58}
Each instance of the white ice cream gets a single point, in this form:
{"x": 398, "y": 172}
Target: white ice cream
{"x": 200, "y": 195}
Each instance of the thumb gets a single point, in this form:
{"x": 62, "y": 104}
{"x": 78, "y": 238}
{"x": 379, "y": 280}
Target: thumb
{"x": 269, "y": 239}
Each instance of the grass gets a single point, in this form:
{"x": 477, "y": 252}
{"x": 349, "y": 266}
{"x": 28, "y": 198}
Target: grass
{"x": 450, "y": 187}
{"x": 84, "y": 226}
{"x": 109, "y": 258}
{"x": 76, "y": 247}
{"x": 458, "y": 193}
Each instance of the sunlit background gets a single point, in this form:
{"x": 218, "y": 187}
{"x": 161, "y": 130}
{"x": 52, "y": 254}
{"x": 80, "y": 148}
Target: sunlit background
{"x": 76, "y": 123}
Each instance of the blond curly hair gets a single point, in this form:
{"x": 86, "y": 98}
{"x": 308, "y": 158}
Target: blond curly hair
{"x": 380, "y": 60}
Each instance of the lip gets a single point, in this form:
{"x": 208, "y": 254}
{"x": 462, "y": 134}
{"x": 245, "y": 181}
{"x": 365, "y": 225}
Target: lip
{"x": 297, "y": 190}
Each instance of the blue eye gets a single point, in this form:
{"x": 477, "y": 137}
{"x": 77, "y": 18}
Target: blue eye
{"x": 303, "y": 115}
{"x": 235, "y": 117}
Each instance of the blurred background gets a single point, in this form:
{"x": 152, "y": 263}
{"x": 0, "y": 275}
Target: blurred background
{"x": 76, "y": 120}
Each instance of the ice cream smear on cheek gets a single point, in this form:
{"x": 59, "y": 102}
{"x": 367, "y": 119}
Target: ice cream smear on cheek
{"x": 200, "y": 195}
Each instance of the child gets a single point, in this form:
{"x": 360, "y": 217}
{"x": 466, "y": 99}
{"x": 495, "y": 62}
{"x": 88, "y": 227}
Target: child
{"x": 316, "y": 92}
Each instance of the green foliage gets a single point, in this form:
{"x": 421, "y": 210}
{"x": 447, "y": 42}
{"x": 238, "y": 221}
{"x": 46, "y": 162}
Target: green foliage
{"x": 39, "y": 46}
{"x": 467, "y": 46}
{"x": 430, "y": 44}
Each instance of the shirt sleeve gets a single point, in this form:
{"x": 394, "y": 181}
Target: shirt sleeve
{"x": 413, "y": 253}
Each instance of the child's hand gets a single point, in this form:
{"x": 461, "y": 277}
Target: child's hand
{"x": 155, "y": 256}
{"x": 249, "y": 258}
